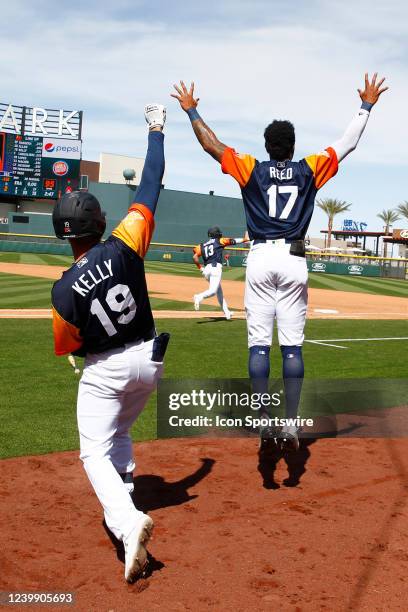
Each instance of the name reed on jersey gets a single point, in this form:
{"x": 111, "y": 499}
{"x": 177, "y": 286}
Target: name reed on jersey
{"x": 281, "y": 175}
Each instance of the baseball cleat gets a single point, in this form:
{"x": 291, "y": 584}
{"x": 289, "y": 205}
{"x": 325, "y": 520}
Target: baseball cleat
{"x": 228, "y": 316}
{"x": 269, "y": 439}
{"x": 267, "y": 446}
{"x": 135, "y": 549}
{"x": 289, "y": 441}
{"x": 196, "y": 302}
{"x": 155, "y": 115}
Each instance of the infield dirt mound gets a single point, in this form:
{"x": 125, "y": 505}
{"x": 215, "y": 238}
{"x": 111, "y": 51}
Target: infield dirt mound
{"x": 335, "y": 541}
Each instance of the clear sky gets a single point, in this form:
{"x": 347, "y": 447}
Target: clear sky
{"x": 251, "y": 62}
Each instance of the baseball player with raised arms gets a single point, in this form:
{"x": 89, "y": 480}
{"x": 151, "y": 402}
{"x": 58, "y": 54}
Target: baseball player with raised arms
{"x": 101, "y": 311}
{"x": 211, "y": 252}
{"x": 278, "y": 197}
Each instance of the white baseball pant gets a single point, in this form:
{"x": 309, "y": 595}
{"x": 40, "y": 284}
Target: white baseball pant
{"x": 276, "y": 287}
{"x": 113, "y": 391}
{"x": 213, "y": 275}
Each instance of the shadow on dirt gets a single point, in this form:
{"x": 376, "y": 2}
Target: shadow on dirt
{"x": 296, "y": 461}
{"x": 152, "y": 492}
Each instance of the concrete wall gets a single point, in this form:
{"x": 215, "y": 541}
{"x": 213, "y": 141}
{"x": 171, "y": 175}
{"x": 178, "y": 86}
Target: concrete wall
{"x": 111, "y": 168}
{"x": 181, "y": 217}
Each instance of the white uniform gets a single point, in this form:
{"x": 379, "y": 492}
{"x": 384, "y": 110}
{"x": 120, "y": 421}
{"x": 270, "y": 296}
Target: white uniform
{"x": 213, "y": 274}
{"x": 102, "y": 311}
{"x": 113, "y": 391}
{"x": 276, "y": 287}
{"x": 212, "y": 253}
{"x": 279, "y": 200}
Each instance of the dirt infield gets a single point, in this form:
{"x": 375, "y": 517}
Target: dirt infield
{"x": 340, "y": 304}
{"x": 336, "y": 541}
{"x": 46, "y": 313}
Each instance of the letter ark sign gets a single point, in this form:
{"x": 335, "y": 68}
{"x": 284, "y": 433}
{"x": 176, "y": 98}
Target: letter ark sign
{"x": 37, "y": 121}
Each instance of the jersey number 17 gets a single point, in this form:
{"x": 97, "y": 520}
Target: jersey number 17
{"x": 273, "y": 192}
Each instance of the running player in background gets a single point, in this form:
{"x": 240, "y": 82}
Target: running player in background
{"x": 211, "y": 252}
{"x": 101, "y": 311}
{"x": 278, "y": 197}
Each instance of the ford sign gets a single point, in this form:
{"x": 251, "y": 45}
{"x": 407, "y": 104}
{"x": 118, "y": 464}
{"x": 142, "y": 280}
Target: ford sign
{"x": 318, "y": 267}
{"x": 354, "y": 269}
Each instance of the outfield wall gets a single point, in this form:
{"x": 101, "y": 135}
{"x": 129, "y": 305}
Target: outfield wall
{"x": 181, "y": 216}
{"x": 182, "y": 219}
{"x": 348, "y": 265}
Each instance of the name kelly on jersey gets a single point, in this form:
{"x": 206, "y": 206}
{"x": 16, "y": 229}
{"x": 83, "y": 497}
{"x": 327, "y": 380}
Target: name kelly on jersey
{"x": 87, "y": 281}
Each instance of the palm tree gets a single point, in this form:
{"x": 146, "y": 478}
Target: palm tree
{"x": 403, "y": 209}
{"x": 332, "y": 207}
{"x": 388, "y": 217}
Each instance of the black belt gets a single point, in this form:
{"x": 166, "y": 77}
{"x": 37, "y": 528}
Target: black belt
{"x": 297, "y": 247}
{"x": 150, "y": 335}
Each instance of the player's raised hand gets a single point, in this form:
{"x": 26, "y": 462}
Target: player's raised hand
{"x": 372, "y": 90}
{"x": 185, "y": 96}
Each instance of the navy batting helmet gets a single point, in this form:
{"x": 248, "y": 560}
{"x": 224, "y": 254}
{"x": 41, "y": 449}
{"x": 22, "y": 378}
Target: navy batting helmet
{"x": 78, "y": 214}
{"x": 214, "y": 232}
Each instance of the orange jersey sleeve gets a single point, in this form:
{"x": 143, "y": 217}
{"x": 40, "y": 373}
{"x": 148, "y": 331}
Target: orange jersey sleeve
{"x": 197, "y": 250}
{"x": 323, "y": 165}
{"x": 67, "y": 337}
{"x": 136, "y": 229}
{"x": 237, "y": 165}
{"x": 226, "y": 241}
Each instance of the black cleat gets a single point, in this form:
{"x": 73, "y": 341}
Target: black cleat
{"x": 268, "y": 443}
{"x": 288, "y": 441}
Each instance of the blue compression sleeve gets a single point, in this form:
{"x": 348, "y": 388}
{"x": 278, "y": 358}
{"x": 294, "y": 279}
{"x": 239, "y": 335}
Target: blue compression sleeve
{"x": 293, "y": 372}
{"x": 259, "y": 367}
{"x": 367, "y": 106}
{"x": 150, "y": 184}
{"x": 193, "y": 114}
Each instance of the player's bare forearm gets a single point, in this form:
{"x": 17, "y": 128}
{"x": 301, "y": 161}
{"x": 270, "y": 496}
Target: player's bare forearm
{"x": 208, "y": 139}
{"x": 205, "y": 136}
{"x": 197, "y": 261}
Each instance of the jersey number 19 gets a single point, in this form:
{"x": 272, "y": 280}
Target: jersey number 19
{"x": 119, "y": 299}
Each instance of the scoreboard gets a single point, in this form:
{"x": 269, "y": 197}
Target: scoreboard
{"x": 38, "y": 167}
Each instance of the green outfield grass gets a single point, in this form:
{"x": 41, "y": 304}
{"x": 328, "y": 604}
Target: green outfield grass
{"x": 36, "y": 258}
{"x": 377, "y": 286}
{"x": 185, "y": 269}
{"x": 31, "y": 292}
{"x": 37, "y": 409}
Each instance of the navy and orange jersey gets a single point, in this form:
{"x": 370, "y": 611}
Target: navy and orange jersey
{"x": 211, "y": 251}
{"x": 101, "y": 302}
{"x": 279, "y": 196}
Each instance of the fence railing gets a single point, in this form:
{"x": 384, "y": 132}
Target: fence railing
{"x": 318, "y": 261}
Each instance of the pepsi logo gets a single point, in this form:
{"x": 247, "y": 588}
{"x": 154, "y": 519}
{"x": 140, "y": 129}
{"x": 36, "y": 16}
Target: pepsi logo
{"x": 49, "y": 146}
{"x": 60, "y": 168}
